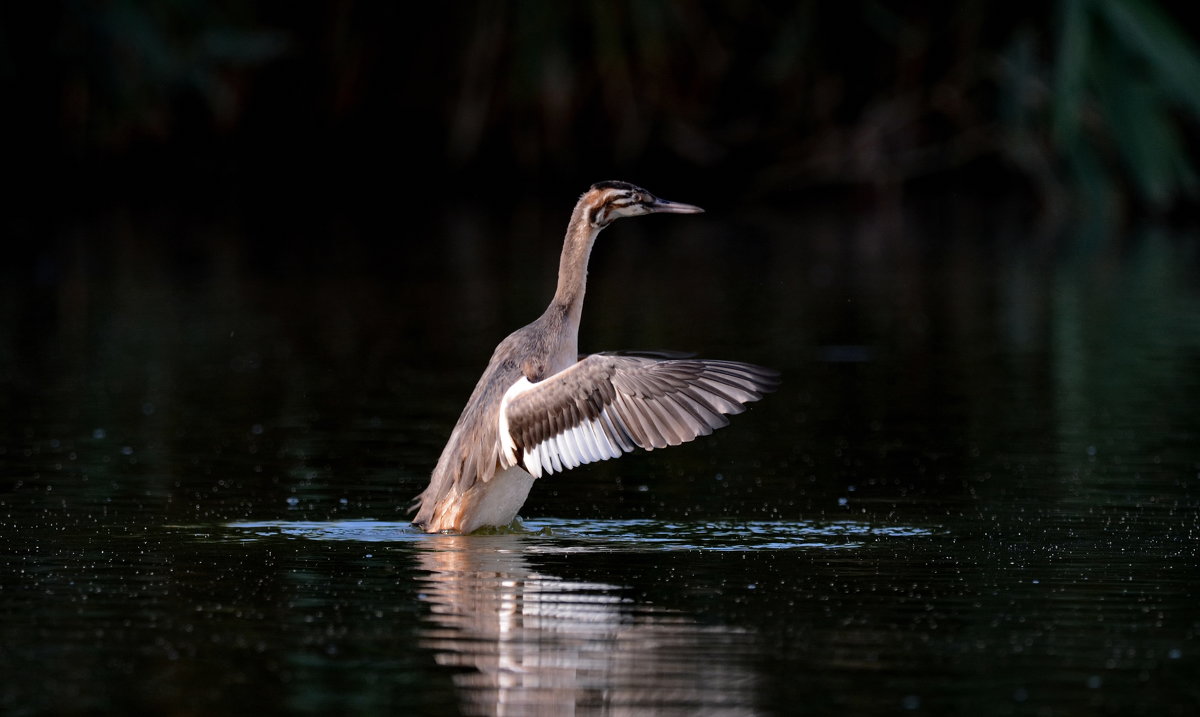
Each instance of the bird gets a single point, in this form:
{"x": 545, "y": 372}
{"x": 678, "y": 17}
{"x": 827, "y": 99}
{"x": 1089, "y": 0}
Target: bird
{"x": 541, "y": 408}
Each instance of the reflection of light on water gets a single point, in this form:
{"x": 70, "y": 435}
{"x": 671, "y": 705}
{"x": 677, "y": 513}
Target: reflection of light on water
{"x": 366, "y": 531}
{"x": 539, "y": 644}
{"x": 645, "y": 535}
{"x": 557, "y": 535}
{"x": 524, "y": 642}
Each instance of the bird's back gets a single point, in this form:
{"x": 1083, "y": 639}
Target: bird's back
{"x": 472, "y": 453}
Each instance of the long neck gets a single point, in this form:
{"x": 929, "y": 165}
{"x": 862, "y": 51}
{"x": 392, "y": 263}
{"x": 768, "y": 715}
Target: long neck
{"x": 572, "y": 267}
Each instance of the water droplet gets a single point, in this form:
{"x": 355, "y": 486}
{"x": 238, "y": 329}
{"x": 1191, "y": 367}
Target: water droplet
{"x": 99, "y": 434}
{"x": 910, "y": 702}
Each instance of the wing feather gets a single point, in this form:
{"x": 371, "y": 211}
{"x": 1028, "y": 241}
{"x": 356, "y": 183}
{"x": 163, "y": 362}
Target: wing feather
{"x": 606, "y": 405}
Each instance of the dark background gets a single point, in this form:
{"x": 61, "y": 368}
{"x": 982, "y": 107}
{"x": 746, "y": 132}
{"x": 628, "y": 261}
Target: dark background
{"x": 256, "y": 254}
{"x": 374, "y": 104}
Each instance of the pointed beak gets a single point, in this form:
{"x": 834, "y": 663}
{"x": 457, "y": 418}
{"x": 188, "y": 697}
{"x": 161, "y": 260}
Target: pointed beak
{"x": 663, "y": 206}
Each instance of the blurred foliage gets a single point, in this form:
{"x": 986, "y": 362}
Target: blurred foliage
{"x": 1091, "y": 98}
{"x": 1126, "y": 78}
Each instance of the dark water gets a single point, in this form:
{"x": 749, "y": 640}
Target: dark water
{"x": 976, "y": 492}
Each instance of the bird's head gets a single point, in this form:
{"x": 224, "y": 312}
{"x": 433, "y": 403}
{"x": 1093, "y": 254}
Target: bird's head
{"x": 608, "y": 201}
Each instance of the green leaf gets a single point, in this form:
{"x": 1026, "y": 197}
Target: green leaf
{"x": 1174, "y": 59}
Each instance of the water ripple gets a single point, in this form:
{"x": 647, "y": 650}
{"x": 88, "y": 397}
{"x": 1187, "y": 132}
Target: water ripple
{"x": 552, "y": 535}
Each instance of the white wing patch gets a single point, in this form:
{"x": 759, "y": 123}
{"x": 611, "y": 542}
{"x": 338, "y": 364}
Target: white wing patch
{"x": 608, "y": 405}
{"x": 569, "y": 448}
{"x": 508, "y": 447}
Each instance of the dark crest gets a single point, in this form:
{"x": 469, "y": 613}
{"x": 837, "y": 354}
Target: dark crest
{"x": 618, "y": 185}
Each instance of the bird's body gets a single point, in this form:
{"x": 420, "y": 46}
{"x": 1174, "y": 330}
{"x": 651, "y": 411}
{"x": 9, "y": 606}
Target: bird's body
{"x": 538, "y": 408}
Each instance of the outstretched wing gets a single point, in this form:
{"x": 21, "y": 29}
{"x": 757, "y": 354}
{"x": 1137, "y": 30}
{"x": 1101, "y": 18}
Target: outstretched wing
{"x": 607, "y": 404}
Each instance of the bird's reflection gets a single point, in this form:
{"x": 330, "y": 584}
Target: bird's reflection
{"x": 533, "y": 643}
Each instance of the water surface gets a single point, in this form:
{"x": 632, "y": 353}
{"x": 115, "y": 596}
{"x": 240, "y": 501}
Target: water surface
{"x": 975, "y": 491}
